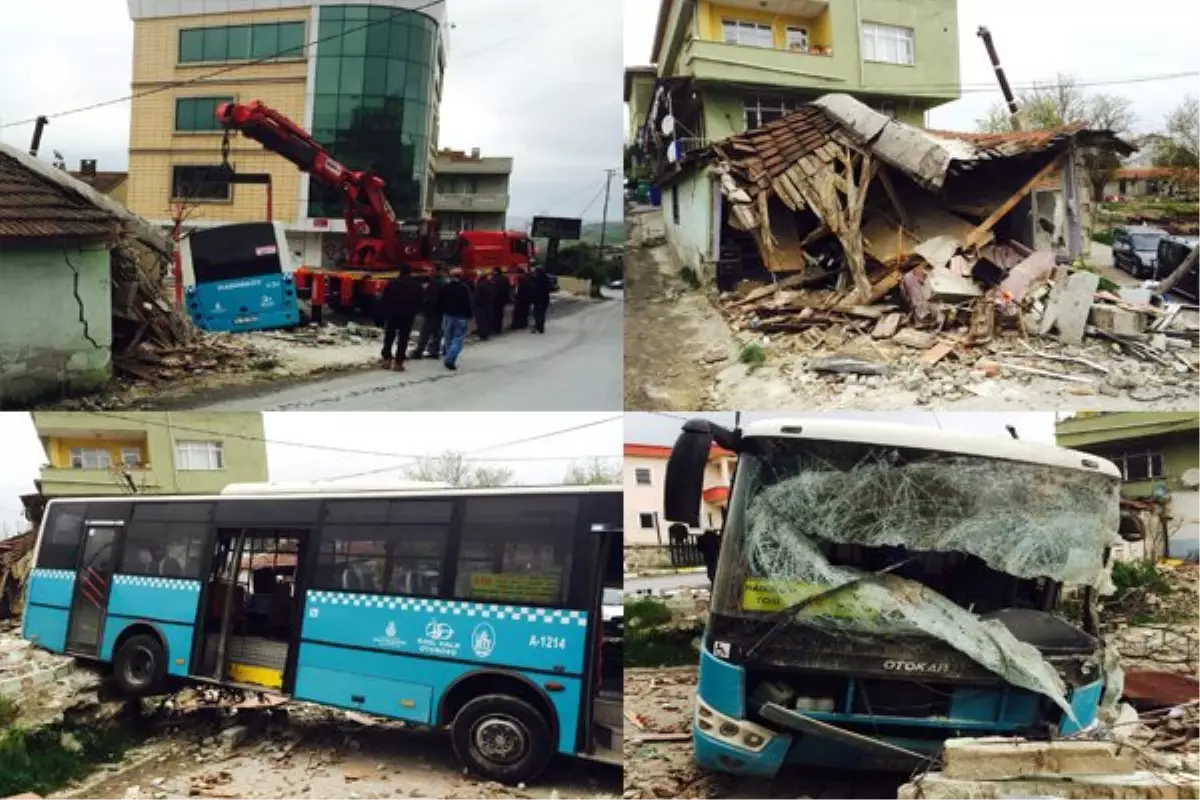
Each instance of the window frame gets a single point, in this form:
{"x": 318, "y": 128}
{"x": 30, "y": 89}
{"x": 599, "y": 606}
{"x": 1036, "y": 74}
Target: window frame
{"x": 787, "y": 34}
{"x": 213, "y": 447}
{"x": 263, "y": 29}
{"x": 752, "y": 104}
{"x": 638, "y": 472}
{"x": 175, "y": 197}
{"x": 741, "y": 26}
{"x": 83, "y": 454}
{"x": 878, "y": 32}
{"x": 1152, "y": 459}
{"x": 216, "y": 100}
{"x": 643, "y": 518}
{"x": 137, "y": 452}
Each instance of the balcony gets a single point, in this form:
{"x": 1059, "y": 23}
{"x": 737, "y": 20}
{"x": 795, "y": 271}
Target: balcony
{"x": 66, "y": 481}
{"x": 460, "y": 201}
{"x": 473, "y": 166}
{"x": 816, "y": 69}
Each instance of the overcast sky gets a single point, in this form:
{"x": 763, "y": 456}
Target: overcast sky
{"x": 405, "y": 434}
{"x": 1038, "y": 426}
{"x": 1095, "y": 40}
{"x": 536, "y": 80}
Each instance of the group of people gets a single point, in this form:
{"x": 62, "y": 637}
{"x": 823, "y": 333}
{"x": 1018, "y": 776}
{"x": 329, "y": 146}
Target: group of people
{"x": 447, "y": 304}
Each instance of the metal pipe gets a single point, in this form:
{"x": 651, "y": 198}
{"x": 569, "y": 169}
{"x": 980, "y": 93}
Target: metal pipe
{"x": 38, "y": 127}
{"x": 1005, "y": 89}
{"x": 227, "y": 612}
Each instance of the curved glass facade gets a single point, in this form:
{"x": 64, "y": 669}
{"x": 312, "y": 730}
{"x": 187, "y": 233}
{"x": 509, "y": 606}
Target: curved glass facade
{"x": 373, "y": 104}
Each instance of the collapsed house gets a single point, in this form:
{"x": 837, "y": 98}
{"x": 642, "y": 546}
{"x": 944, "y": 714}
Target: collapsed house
{"x": 849, "y": 216}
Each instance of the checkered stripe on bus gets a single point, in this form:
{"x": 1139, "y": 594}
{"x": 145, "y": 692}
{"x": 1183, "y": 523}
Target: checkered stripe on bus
{"x": 151, "y": 582}
{"x": 54, "y": 574}
{"x": 556, "y": 616}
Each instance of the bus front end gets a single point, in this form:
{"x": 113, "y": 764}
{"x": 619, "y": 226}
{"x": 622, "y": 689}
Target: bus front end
{"x": 879, "y": 592}
{"x": 239, "y": 278}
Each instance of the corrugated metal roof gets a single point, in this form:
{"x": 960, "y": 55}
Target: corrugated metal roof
{"x": 33, "y": 207}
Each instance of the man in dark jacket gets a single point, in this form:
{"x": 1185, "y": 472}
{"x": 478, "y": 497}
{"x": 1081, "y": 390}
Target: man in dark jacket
{"x": 429, "y": 344}
{"x": 455, "y": 304}
{"x": 485, "y": 301}
{"x": 541, "y": 298}
{"x": 503, "y": 298}
{"x": 400, "y": 304}
{"x": 522, "y": 301}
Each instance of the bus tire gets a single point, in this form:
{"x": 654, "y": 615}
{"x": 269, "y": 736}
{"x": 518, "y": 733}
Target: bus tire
{"x": 502, "y": 738}
{"x": 140, "y": 666}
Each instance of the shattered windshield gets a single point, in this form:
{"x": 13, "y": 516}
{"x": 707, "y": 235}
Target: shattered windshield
{"x": 931, "y": 541}
{"x": 1143, "y": 242}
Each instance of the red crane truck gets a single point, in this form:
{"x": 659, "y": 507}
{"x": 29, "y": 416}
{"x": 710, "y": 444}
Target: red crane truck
{"x": 376, "y": 241}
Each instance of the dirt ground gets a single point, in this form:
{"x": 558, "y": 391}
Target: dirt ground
{"x": 682, "y": 354}
{"x": 662, "y": 701}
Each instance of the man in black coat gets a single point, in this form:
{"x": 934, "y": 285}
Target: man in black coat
{"x": 429, "y": 344}
{"x": 455, "y": 304}
{"x": 485, "y": 302}
{"x": 522, "y": 301}
{"x": 503, "y": 298}
{"x": 400, "y": 304}
{"x": 541, "y": 298}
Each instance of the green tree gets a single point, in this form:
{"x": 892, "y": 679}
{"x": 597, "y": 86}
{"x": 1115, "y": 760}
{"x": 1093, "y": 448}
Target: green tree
{"x": 593, "y": 472}
{"x": 1063, "y": 102}
{"x": 452, "y": 467}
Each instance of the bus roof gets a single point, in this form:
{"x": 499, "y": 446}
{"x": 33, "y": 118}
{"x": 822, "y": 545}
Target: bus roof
{"x": 329, "y": 487}
{"x": 348, "y": 493}
{"x": 896, "y": 435}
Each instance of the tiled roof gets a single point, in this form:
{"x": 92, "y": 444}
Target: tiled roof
{"x": 33, "y": 207}
{"x": 1013, "y": 142}
{"x": 103, "y": 182}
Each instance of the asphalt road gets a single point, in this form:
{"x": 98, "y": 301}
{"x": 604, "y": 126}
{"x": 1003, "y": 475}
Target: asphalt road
{"x": 574, "y": 366}
{"x": 660, "y": 583}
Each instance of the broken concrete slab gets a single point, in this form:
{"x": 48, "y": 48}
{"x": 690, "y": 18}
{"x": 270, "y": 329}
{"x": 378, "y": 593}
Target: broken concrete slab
{"x": 911, "y": 337}
{"x": 1074, "y": 306}
{"x": 943, "y": 284}
{"x": 887, "y": 326}
{"x": 1001, "y": 758}
{"x": 938, "y": 250}
{"x": 1138, "y": 786}
{"x": 847, "y": 365}
{"x": 1116, "y": 320}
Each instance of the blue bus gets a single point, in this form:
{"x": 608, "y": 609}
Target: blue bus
{"x": 239, "y": 278}
{"x": 478, "y": 611}
{"x": 882, "y": 588}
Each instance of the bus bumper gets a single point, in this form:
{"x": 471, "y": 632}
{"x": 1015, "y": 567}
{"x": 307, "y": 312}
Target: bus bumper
{"x": 719, "y": 744}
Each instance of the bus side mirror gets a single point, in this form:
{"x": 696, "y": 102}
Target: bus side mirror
{"x": 685, "y": 469}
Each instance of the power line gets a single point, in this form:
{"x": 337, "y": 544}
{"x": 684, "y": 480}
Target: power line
{"x": 592, "y": 202}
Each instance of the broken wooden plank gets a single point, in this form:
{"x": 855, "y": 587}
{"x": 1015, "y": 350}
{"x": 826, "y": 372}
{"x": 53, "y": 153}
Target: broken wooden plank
{"x": 1062, "y": 376}
{"x": 977, "y": 236}
{"x": 886, "y": 180}
{"x": 911, "y": 337}
{"x": 663, "y": 737}
{"x": 790, "y": 282}
{"x": 887, "y": 326}
{"x": 1068, "y": 359}
{"x": 936, "y": 353}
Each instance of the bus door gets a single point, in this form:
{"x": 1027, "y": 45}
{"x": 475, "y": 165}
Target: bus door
{"x": 93, "y": 585}
{"x": 603, "y": 719}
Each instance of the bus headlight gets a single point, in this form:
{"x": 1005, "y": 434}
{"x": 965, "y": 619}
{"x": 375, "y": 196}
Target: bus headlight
{"x": 738, "y": 733}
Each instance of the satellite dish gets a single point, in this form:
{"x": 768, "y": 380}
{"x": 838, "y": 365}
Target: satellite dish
{"x": 668, "y": 125}
{"x": 672, "y": 157}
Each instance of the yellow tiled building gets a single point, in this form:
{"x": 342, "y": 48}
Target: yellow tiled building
{"x": 381, "y": 60}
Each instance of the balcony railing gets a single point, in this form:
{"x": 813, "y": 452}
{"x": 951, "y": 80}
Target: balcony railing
{"x": 814, "y": 67}
{"x": 464, "y": 201}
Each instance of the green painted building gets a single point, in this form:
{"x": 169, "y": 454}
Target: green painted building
{"x": 1158, "y": 454}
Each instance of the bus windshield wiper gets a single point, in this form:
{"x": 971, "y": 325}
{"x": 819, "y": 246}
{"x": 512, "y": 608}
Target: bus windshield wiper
{"x": 781, "y": 616}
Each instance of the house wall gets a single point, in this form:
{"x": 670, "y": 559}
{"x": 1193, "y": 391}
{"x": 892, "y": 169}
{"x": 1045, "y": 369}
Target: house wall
{"x": 640, "y": 499}
{"x": 691, "y": 237}
{"x": 724, "y": 116}
{"x": 240, "y": 434}
{"x": 45, "y": 350}
{"x": 935, "y": 39}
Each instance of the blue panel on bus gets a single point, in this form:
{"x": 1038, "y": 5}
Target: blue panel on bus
{"x": 244, "y": 304}
{"x": 51, "y": 587}
{"x": 554, "y": 640}
{"x": 163, "y": 599}
{"x": 1085, "y": 701}
{"x": 178, "y": 640}
{"x": 722, "y": 685}
{"x": 435, "y": 673}
{"x": 400, "y": 699}
{"x": 46, "y": 627}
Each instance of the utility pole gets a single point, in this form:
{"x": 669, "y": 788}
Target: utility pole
{"x": 608, "y": 176}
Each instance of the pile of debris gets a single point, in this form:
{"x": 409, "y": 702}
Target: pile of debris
{"x": 845, "y": 223}
{"x": 16, "y": 562}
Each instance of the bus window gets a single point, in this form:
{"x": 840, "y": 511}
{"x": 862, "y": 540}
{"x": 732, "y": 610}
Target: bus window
{"x": 388, "y": 558}
{"x": 164, "y": 549}
{"x": 516, "y": 549}
{"x": 64, "y": 534}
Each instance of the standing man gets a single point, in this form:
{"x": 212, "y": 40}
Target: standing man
{"x": 522, "y": 301}
{"x": 485, "y": 300}
{"x": 541, "y": 298}
{"x": 429, "y": 344}
{"x": 455, "y": 306}
{"x": 503, "y": 298}
{"x": 400, "y": 303}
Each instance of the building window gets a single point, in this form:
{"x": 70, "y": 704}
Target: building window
{"x": 645, "y": 521}
{"x": 759, "y": 109}
{"x": 200, "y": 183}
{"x": 90, "y": 458}
{"x": 797, "y": 39}
{"x": 752, "y": 34}
{"x": 198, "y": 113}
{"x": 241, "y": 42}
{"x": 888, "y": 44}
{"x": 199, "y": 456}
{"x": 1141, "y": 466}
{"x": 131, "y": 457}
{"x": 642, "y": 476}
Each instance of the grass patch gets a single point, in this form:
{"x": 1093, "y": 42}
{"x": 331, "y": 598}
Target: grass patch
{"x": 689, "y": 277}
{"x": 651, "y": 640}
{"x": 39, "y": 762}
{"x": 753, "y": 356}
{"x": 1104, "y": 237}
{"x": 643, "y": 612}
{"x": 265, "y": 364}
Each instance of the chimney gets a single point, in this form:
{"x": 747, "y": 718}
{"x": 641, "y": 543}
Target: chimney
{"x": 475, "y": 153}
{"x": 87, "y": 167}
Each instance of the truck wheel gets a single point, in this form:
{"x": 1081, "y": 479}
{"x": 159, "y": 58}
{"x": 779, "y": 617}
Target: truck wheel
{"x": 140, "y": 666}
{"x": 502, "y": 738}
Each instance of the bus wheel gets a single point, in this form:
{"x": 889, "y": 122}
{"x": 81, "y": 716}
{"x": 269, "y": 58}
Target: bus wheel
{"x": 140, "y": 666}
{"x": 502, "y": 738}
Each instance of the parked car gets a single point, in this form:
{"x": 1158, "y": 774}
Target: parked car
{"x": 1135, "y": 249}
{"x": 1172, "y": 250}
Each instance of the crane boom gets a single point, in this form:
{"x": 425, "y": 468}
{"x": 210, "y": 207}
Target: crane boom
{"x": 372, "y": 231}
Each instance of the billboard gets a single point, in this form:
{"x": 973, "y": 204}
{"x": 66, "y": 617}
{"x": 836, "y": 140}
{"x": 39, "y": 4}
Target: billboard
{"x": 556, "y": 228}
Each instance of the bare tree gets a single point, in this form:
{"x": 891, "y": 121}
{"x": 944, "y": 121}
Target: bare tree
{"x": 593, "y": 472}
{"x": 452, "y": 467}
